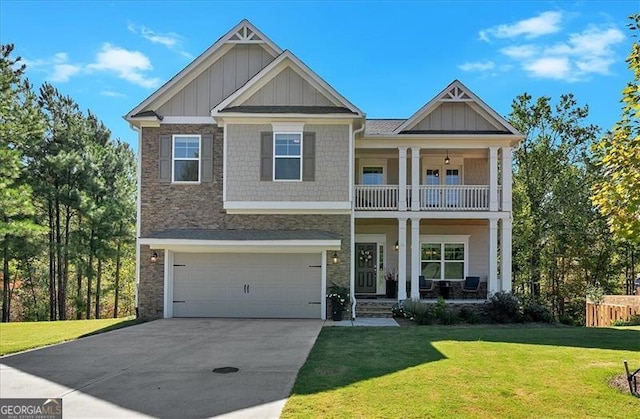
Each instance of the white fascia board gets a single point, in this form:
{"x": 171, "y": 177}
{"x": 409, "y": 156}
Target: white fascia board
{"x": 435, "y": 215}
{"x": 443, "y": 141}
{"x": 243, "y": 246}
{"x": 195, "y": 120}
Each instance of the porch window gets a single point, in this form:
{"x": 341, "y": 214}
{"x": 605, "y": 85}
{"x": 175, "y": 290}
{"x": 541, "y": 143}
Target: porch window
{"x": 287, "y": 156}
{"x": 372, "y": 175}
{"x": 186, "y": 158}
{"x": 443, "y": 261}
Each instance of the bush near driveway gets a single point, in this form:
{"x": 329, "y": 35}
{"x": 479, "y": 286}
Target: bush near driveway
{"x": 493, "y": 371}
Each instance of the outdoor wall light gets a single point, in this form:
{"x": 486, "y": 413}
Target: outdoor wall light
{"x": 335, "y": 258}
{"x": 397, "y": 246}
{"x": 154, "y": 257}
{"x": 447, "y": 160}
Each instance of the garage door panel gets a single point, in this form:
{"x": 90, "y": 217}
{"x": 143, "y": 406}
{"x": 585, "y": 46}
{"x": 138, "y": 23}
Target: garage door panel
{"x": 279, "y": 285}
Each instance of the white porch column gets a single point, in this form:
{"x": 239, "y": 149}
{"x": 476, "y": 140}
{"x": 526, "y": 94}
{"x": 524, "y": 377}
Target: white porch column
{"x": 506, "y": 178}
{"x": 402, "y": 258}
{"x": 415, "y": 258}
{"x": 505, "y": 255}
{"x": 492, "y": 280}
{"x": 415, "y": 178}
{"x": 402, "y": 178}
{"x": 493, "y": 178}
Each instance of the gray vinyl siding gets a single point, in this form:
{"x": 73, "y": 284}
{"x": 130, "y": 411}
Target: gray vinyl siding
{"x": 243, "y": 166}
{"x": 217, "y": 82}
{"x": 476, "y": 172}
{"x": 288, "y": 88}
{"x": 454, "y": 116}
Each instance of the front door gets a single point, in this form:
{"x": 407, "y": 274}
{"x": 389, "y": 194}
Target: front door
{"x": 366, "y": 267}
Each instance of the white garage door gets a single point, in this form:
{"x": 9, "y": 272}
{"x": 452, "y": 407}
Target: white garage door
{"x": 246, "y": 285}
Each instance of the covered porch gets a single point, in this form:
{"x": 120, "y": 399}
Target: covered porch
{"x": 431, "y": 257}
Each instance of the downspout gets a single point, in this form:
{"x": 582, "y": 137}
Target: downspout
{"x": 352, "y": 283}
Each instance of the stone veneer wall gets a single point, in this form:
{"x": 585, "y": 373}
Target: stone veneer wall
{"x": 166, "y": 206}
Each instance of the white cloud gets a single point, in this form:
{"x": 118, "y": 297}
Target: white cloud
{"x": 171, "y": 40}
{"x": 518, "y": 52}
{"x": 569, "y": 56}
{"x": 111, "y": 93}
{"x": 582, "y": 54}
{"x": 543, "y": 24}
{"x": 549, "y": 67}
{"x": 56, "y": 68}
{"x": 63, "y": 72}
{"x": 128, "y": 65}
{"x": 477, "y": 66}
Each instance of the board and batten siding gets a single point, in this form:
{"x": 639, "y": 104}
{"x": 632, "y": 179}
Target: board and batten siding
{"x": 217, "y": 82}
{"x": 454, "y": 116}
{"x": 331, "y": 159}
{"x": 288, "y": 89}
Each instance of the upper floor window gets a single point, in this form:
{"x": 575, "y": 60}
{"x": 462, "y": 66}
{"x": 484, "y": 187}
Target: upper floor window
{"x": 287, "y": 156}
{"x": 186, "y": 158}
{"x": 373, "y": 175}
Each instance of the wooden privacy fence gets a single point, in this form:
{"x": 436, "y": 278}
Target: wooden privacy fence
{"x": 611, "y": 309}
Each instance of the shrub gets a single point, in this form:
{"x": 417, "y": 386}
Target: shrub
{"x": 419, "y": 312}
{"x": 503, "y": 307}
{"x": 443, "y": 313}
{"x": 633, "y": 321}
{"x": 470, "y": 315}
{"x": 533, "y": 311}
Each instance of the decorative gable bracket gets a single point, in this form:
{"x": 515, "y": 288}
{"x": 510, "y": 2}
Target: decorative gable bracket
{"x": 245, "y": 35}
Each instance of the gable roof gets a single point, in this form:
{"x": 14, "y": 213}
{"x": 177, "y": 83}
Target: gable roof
{"x": 285, "y": 60}
{"x": 457, "y": 92}
{"x": 243, "y": 33}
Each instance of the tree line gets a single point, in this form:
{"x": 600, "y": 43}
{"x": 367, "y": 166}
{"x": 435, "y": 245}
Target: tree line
{"x": 67, "y": 193}
{"x": 576, "y": 199}
{"x": 67, "y": 206}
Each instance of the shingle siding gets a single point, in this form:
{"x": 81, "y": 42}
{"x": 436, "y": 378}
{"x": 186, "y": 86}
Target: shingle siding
{"x": 169, "y": 206}
{"x": 332, "y": 163}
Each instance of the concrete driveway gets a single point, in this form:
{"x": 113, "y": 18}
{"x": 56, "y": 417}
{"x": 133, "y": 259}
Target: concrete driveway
{"x": 164, "y": 369}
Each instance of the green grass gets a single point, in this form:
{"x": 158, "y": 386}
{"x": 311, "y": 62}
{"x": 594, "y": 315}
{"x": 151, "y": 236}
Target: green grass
{"x": 469, "y": 372}
{"x": 16, "y": 337}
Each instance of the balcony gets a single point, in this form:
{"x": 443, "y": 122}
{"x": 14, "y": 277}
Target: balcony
{"x": 431, "y": 197}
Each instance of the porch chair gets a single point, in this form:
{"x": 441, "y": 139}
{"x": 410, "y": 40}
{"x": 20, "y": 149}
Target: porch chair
{"x": 425, "y": 286}
{"x": 471, "y": 285}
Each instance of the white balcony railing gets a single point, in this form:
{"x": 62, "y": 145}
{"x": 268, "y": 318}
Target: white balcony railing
{"x": 432, "y": 197}
{"x": 376, "y": 197}
{"x": 454, "y": 197}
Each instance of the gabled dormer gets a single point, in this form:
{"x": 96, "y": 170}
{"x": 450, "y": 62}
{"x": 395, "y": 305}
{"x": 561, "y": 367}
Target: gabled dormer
{"x": 456, "y": 110}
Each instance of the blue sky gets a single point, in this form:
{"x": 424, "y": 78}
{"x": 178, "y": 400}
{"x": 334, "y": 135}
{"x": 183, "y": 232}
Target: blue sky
{"x": 388, "y": 58}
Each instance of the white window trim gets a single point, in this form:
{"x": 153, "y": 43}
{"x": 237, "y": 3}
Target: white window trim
{"x": 287, "y": 157}
{"x": 444, "y": 239}
{"x": 373, "y": 163}
{"x": 173, "y": 158}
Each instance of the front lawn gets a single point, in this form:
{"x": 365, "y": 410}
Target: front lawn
{"x": 15, "y": 337}
{"x": 472, "y": 371}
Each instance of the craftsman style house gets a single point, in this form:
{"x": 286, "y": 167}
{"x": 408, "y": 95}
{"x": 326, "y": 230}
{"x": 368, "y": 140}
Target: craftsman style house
{"x": 261, "y": 185}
